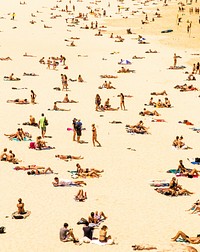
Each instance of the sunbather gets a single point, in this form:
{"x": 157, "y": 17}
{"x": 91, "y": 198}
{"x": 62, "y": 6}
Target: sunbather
{"x": 193, "y": 240}
{"x": 55, "y": 107}
{"x": 66, "y": 182}
{"x": 147, "y": 112}
{"x": 66, "y": 157}
{"x": 36, "y": 171}
{"x": 81, "y": 196}
{"x": 185, "y": 171}
{"x": 18, "y": 101}
{"x": 159, "y": 93}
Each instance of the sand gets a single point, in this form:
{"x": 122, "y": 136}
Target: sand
{"x": 136, "y": 213}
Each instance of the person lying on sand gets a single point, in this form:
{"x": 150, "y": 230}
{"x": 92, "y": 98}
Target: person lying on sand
{"x": 125, "y": 70}
{"x": 66, "y": 182}
{"x": 137, "y": 57}
{"x": 143, "y": 247}
{"x": 30, "y": 74}
{"x": 138, "y": 128}
{"x": 7, "y": 58}
{"x": 119, "y": 39}
{"x": 150, "y": 51}
{"x": 147, "y": 112}
{"x": 35, "y": 171}
{"x": 18, "y": 101}
{"x": 11, "y": 157}
{"x": 195, "y": 207}
{"x": 66, "y": 157}
{"x": 28, "y": 55}
{"x": 188, "y": 88}
{"x": 40, "y": 144}
{"x": 81, "y": 195}
{"x": 28, "y": 167}
{"x": 108, "y": 76}
{"x": 174, "y": 189}
{"x": 159, "y": 93}
{"x": 186, "y": 238}
{"x": 46, "y": 26}
{"x": 185, "y": 171}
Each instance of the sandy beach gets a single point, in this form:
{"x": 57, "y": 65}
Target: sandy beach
{"x": 136, "y": 213}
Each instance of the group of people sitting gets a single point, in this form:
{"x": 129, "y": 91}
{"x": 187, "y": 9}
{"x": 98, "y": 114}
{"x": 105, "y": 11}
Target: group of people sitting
{"x": 9, "y": 156}
{"x": 159, "y": 103}
{"x": 125, "y": 70}
{"x": 138, "y": 128}
{"x": 19, "y": 135}
{"x": 107, "y": 85}
{"x": 179, "y": 144}
{"x": 174, "y": 189}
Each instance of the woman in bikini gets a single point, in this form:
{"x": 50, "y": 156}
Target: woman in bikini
{"x": 33, "y": 96}
{"x": 94, "y": 135}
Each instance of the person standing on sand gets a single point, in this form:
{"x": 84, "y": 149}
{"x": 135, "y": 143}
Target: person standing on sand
{"x": 94, "y": 136}
{"x": 79, "y": 130}
{"x": 42, "y": 125}
{"x": 175, "y": 60}
{"x": 74, "y": 128}
{"x": 33, "y": 96}
{"x": 122, "y": 105}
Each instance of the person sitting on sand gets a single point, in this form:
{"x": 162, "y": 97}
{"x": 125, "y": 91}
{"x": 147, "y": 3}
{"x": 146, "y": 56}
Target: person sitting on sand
{"x": 147, "y": 112}
{"x": 11, "y": 158}
{"x": 11, "y": 77}
{"x": 96, "y": 217}
{"x": 167, "y": 103}
{"x": 103, "y": 235}
{"x": 42, "y": 61}
{"x": 185, "y": 171}
{"x": 181, "y": 144}
{"x": 66, "y": 157}
{"x": 81, "y": 196}
{"x": 20, "y": 135}
{"x": 66, "y": 100}
{"x": 3, "y": 156}
{"x": 37, "y": 171}
{"x": 20, "y": 207}
{"x": 67, "y": 182}
{"x": 159, "y": 93}
{"x": 67, "y": 234}
{"x": 99, "y": 33}
{"x": 151, "y": 102}
{"x": 191, "y": 77}
{"x": 186, "y": 238}
{"x": 159, "y": 104}
{"x": 176, "y": 189}
{"x": 80, "y": 79}
{"x": 139, "y": 128}
{"x": 40, "y": 144}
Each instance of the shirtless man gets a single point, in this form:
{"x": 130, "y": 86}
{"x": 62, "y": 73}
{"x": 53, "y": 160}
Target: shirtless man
{"x": 147, "y": 112}
{"x": 55, "y": 107}
{"x": 159, "y": 93}
{"x": 35, "y": 171}
{"x": 66, "y": 100}
{"x": 3, "y": 156}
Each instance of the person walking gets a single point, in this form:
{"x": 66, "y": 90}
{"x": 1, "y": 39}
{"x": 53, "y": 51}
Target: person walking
{"x": 42, "y": 125}
{"x": 94, "y": 135}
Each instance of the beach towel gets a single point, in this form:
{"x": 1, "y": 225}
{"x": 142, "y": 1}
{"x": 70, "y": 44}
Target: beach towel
{"x": 45, "y": 148}
{"x": 17, "y": 140}
{"x": 167, "y": 31}
{"x": 15, "y": 215}
{"x": 159, "y": 183}
{"x": 32, "y": 145}
{"x": 97, "y": 242}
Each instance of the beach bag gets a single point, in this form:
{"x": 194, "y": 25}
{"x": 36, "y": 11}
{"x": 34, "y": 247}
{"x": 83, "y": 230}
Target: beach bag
{"x": 197, "y": 159}
{"x": 82, "y": 221}
{"x": 46, "y": 122}
{"x": 2, "y": 230}
{"x": 32, "y": 145}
